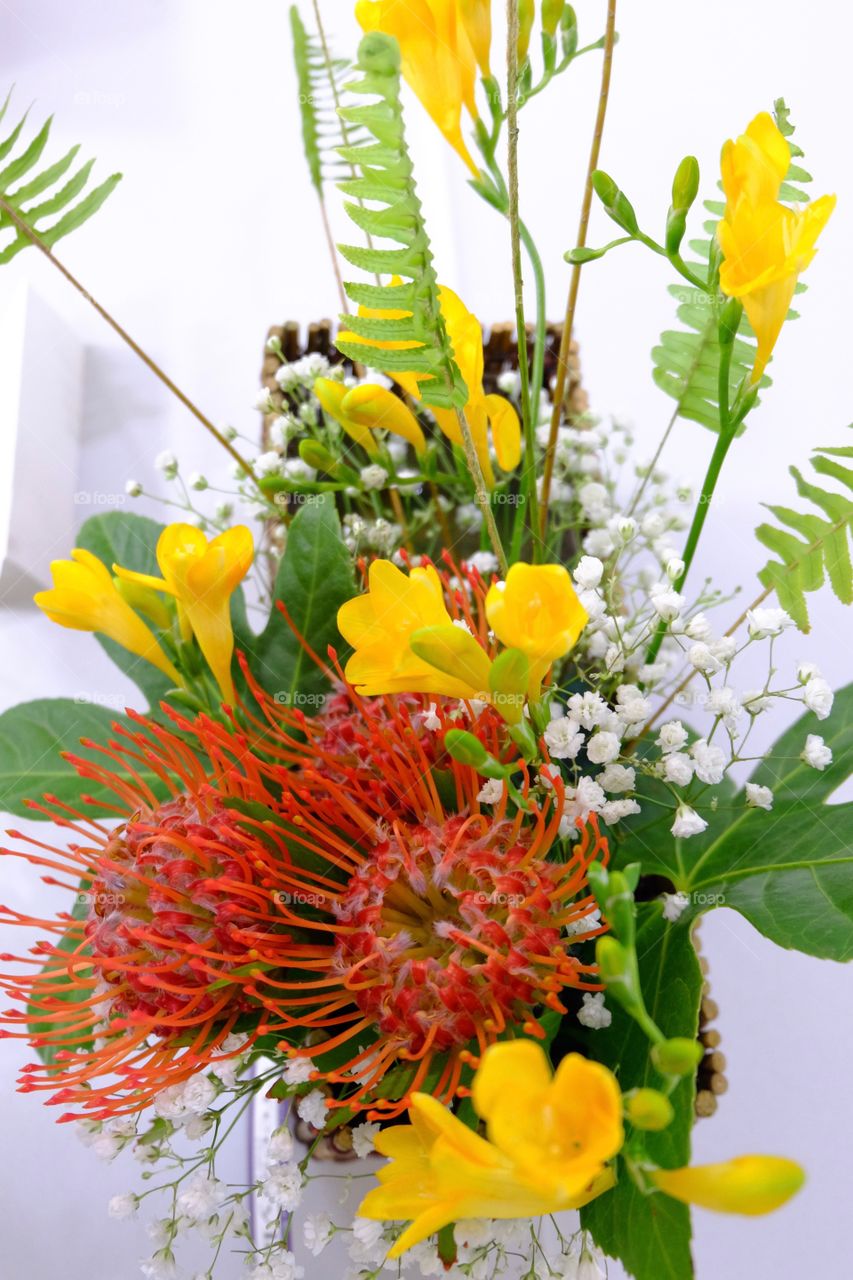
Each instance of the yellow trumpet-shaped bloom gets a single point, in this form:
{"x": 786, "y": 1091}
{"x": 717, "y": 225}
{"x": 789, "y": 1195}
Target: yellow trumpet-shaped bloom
{"x": 765, "y": 244}
{"x": 84, "y": 597}
{"x": 380, "y": 625}
{"x": 537, "y": 611}
{"x": 549, "y": 1140}
{"x": 750, "y": 1185}
{"x": 476, "y": 18}
{"x": 437, "y": 59}
{"x": 368, "y": 407}
{"x": 484, "y": 413}
{"x": 202, "y": 576}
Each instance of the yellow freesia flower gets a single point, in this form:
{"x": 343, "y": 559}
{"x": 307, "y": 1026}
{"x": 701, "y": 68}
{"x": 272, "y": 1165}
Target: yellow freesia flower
{"x": 549, "y": 1140}
{"x": 368, "y": 407}
{"x": 483, "y": 412}
{"x": 537, "y": 611}
{"x": 750, "y": 1185}
{"x": 202, "y": 576}
{"x": 765, "y": 244}
{"x": 84, "y": 597}
{"x": 476, "y": 17}
{"x": 381, "y": 623}
{"x": 437, "y": 59}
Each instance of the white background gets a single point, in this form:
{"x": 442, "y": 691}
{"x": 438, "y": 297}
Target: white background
{"x": 214, "y": 234}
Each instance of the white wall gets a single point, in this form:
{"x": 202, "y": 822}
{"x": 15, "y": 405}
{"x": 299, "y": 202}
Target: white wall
{"x": 213, "y": 235}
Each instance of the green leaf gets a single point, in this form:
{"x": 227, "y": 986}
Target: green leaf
{"x": 651, "y": 1234}
{"x": 314, "y": 579}
{"x": 822, "y": 548}
{"x": 319, "y": 79}
{"x": 788, "y": 871}
{"x": 383, "y": 174}
{"x": 119, "y": 537}
{"x": 61, "y": 199}
{"x": 33, "y": 735}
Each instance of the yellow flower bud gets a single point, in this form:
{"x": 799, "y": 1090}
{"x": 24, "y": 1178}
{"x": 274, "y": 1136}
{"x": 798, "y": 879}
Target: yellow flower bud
{"x": 750, "y": 1185}
{"x": 537, "y": 611}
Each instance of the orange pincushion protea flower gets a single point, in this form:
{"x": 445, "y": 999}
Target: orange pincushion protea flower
{"x": 331, "y": 882}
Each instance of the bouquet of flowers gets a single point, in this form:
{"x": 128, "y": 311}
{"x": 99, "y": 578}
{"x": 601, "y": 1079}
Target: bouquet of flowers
{"x": 406, "y": 832}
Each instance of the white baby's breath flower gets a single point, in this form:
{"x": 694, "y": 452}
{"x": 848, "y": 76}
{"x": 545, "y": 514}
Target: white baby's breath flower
{"x": 818, "y": 697}
{"x": 563, "y": 738}
{"x": 723, "y": 649}
{"x": 312, "y": 1109}
{"x": 603, "y": 748}
{"x": 430, "y": 718}
{"x": 167, "y": 463}
{"x": 123, "y": 1206}
{"x": 710, "y": 762}
{"x": 758, "y": 797}
{"x": 297, "y": 1071}
{"x": 588, "y": 571}
{"x": 615, "y": 810}
{"x": 687, "y": 823}
{"x": 132, "y": 488}
{"x": 485, "y": 562}
{"x": 197, "y": 481}
{"x": 200, "y": 1197}
{"x": 268, "y": 464}
{"x": 816, "y": 753}
{"x": 674, "y": 905}
{"x": 666, "y": 602}
{"x": 593, "y": 1012}
{"x": 755, "y": 701}
{"x": 373, "y": 477}
{"x": 698, "y": 628}
{"x": 491, "y": 791}
{"x": 317, "y": 1231}
{"x": 672, "y": 736}
{"x": 617, "y": 778}
{"x": 363, "y": 1139}
{"x": 678, "y": 768}
{"x": 699, "y": 655}
{"x": 283, "y": 1187}
{"x": 763, "y": 623}
{"x": 807, "y": 671}
{"x": 280, "y": 1146}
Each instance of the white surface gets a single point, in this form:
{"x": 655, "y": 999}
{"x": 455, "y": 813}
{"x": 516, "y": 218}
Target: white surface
{"x": 211, "y": 237}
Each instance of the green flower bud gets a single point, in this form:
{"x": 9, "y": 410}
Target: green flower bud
{"x": 317, "y": 456}
{"x": 465, "y": 748}
{"x": 730, "y": 321}
{"x": 649, "y": 1109}
{"x": 615, "y": 202}
{"x": 685, "y": 184}
{"x": 525, "y": 739}
{"x": 677, "y": 1057}
{"x": 508, "y": 684}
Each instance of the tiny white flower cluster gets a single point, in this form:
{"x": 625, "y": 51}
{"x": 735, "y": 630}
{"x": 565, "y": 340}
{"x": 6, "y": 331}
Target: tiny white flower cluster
{"x": 642, "y": 638}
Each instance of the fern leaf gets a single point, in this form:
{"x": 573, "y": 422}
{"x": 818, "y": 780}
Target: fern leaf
{"x": 687, "y": 361}
{"x": 409, "y": 312}
{"x": 819, "y": 547}
{"x": 320, "y": 80}
{"x": 22, "y": 182}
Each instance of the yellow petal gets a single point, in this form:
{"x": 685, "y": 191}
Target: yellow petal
{"x": 455, "y": 652}
{"x": 506, "y": 431}
{"x": 749, "y": 1185}
{"x": 332, "y": 395}
{"x": 373, "y": 406}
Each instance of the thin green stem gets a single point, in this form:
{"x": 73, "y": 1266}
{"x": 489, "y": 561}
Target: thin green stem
{"x": 571, "y": 305}
{"x": 727, "y": 434}
{"x": 483, "y": 500}
{"x": 527, "y": 392}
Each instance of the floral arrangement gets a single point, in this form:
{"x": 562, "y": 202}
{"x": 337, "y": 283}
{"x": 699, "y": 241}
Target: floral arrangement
{"x": 406, "y": 832}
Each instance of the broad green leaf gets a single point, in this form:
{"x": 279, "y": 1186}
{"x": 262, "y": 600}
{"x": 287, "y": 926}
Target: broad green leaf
{"x": 33, "y": 735}
{"x": 651, "y": 1234}
{"x": 788, "y": 871}
{"x": 314, "y": 579}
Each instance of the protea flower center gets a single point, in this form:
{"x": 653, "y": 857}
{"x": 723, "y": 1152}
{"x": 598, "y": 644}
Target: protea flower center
{"x": 166, "y": 924}
{"x": 453, "y": 930}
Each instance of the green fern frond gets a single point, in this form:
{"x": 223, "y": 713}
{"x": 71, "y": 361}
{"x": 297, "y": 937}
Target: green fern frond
{"x": 22, "y": 196}
{"x": 819, "y": 546}
{"x": 320, "y": 80}
{"x": 384, "y": 176}
{"x": 687, "y": 361}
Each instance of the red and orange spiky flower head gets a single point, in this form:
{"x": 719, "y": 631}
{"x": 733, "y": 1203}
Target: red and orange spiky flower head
{"x": 330, "y": 882}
